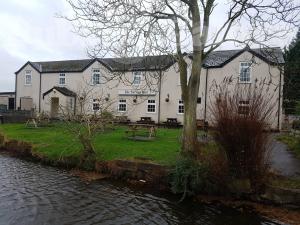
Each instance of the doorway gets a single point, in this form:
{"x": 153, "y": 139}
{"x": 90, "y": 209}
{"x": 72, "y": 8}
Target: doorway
{"x": 54, "y": 107}
{"x": 11, "y": 103}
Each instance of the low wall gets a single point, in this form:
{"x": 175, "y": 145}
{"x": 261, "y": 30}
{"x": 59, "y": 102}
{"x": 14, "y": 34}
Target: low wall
{"x": 16, "y": 116}
{"x": 147, "y": 172}
{"x": 282, "y": 196}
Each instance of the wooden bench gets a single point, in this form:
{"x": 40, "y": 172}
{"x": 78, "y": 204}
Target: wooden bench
{"x": 122, "y": 120}
{"x": 134, "y": 129}
{"x": 171, "y": 123}
{"x": 1, "y": 119}
{"x": 145, "y": 120}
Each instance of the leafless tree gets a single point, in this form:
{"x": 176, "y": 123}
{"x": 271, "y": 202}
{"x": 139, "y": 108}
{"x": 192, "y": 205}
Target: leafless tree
{"x": 94, "y": 117}
{"x": 151, "y": 27}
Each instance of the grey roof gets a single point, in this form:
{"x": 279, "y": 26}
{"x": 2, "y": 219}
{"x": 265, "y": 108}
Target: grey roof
{"x": 113, "y": 64}
{"x": 220, "y": 58}
{"x": 65, "y": 91}
{"x": 61, "y": 66}
{"x": 163, "y": 62}
{"x": 7, "y": 93}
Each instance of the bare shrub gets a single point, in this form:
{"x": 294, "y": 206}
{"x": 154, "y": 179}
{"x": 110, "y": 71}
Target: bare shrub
{"x": 90, "y": 120}
{"x": 240, "y": 117}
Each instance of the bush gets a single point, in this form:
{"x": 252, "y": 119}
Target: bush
{"x": 189, "y": 176}
{"x": 241, "y": 116}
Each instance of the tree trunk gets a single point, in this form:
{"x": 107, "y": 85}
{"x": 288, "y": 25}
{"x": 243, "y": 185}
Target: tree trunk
{"x": 189, "y": 138}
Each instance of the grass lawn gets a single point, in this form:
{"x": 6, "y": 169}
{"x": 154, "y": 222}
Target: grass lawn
{"x": 293, "y": 143}
{"x": 55, "y": 142}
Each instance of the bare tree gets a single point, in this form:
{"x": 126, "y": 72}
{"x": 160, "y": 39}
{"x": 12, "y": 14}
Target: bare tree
{"x": 150, "y": 27}
{"x": 94, "y": 117}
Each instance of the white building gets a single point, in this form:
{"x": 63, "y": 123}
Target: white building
{"x": 142, "y": 86}
{"x": 7, "y": 101}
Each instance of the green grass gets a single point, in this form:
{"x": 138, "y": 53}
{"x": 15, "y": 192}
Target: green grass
{"x": 55, "y": 142}
{"x": 292, "y": 141}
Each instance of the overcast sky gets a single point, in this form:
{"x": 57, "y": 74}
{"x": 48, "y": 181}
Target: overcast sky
{"x": 30, "y": 31}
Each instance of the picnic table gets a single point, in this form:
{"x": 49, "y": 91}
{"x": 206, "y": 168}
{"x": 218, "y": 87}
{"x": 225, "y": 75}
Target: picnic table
{"x": 122, "y": 120}
{"x": 145, "y": 120}
{"x": 134, "y": 128}
{"x": 171, "y": 123}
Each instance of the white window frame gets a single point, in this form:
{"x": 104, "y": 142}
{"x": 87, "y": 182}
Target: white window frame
{"x": 151, "y": 104}
{"x": 137, "y": 74}
{"x": 62, "y": 77}
{"x": 96, "y": 72}
{"x": 122, "y": 102}
{"x": 180, "y": 104}
{"x": 96, "y": 102}
{"x": 28, "y": 74}
{"x": 248, "y": 66}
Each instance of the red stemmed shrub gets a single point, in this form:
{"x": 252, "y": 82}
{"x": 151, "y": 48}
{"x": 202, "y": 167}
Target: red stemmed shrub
{"x": 241, "y": 114}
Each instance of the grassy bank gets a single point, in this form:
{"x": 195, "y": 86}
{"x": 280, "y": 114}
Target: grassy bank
{"x": 292, "y": 141}
{"x": 55, "y": 142}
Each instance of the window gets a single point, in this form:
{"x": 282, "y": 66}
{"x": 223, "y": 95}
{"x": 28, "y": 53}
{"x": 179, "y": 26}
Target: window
{"x": 28, "y": 77}
{"x": 180, "y": 107}
{"x": 96, "y": 76}
{"x": 137, "y": 78}
{"x": 243, "y": 108}
{"x": 96, "y": 105}
{"x": 199, "y": 100}
{"x": 151, "y": 106}
{"x": 122, "y": 105}
{"x": 245, "y": 72}
{"x": 62, "y": 79}
{"x": 71, "y": 103}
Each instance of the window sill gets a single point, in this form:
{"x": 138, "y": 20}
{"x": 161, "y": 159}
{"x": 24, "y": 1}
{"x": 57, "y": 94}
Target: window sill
{"x": 151, "y": 112}
{"x": 27, "y": 84}
{"x": 243, "y": 82}
{"x": 180, "y": 114}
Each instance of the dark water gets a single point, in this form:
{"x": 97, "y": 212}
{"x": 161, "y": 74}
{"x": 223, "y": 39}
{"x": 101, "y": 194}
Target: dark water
{"x": 34, "y": 194}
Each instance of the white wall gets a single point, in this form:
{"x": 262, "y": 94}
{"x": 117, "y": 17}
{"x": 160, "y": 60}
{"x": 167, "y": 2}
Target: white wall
{"x": 23, "y": 90}
{"x": 77, "y": 82}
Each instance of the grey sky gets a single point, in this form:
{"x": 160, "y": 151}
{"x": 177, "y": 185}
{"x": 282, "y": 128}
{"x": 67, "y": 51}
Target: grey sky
{"x": 30, "y": 31}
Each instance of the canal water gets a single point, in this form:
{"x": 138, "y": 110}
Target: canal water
{"x": 33, "y": 194}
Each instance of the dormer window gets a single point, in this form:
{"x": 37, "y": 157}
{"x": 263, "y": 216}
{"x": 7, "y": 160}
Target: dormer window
{"x": 245, "y": 72}
{"x": 62, "y": 79}
{"x": 96, "y": 77}
{"x": 28, "y": 77}
{"x": 137, "y": 78}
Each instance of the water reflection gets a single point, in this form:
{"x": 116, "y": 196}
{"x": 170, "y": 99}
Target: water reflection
{"x": 34, "y": 194}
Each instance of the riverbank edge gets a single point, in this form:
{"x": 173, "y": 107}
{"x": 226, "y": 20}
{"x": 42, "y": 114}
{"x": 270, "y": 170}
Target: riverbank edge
{"x": 147, "y": 174}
